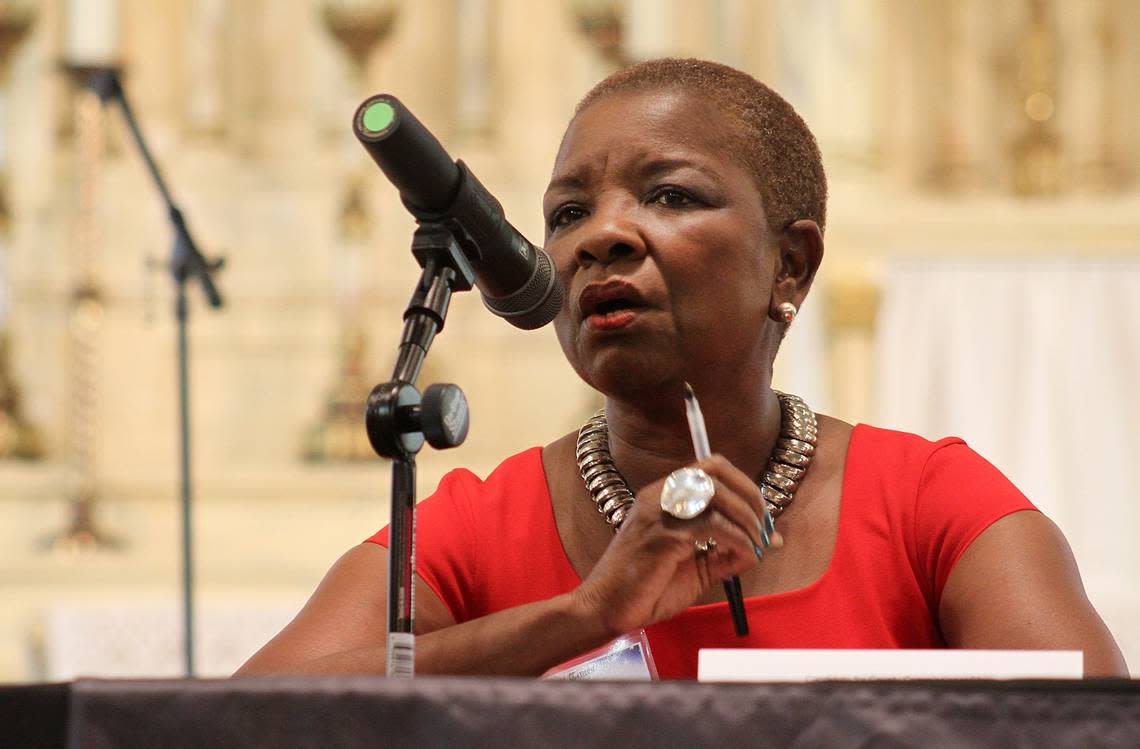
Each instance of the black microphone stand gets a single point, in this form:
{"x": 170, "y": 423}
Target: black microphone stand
{"x": 399, "y": 419}
{"x": 186, "y": 263}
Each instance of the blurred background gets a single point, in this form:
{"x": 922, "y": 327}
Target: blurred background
{"x": 982, "y": 277}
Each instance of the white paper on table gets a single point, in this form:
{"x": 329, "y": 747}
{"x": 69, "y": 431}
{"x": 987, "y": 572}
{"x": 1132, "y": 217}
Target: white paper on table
{"x": 755, "y": 665}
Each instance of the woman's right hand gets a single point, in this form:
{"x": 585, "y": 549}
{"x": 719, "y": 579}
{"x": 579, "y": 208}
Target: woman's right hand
{"x": 653, "y": 570}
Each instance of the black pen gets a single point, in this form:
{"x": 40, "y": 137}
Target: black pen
{"x": 732, "y": 591}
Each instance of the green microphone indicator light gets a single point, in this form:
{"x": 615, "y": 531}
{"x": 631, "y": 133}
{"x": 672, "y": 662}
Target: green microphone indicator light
{"x": 377, "y": 117}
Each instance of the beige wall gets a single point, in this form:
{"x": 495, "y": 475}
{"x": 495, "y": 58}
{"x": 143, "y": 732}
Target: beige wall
{"x": 919, "y": 108}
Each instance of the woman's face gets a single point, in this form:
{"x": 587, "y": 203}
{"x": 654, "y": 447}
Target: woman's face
{"x": 660, "y": 236}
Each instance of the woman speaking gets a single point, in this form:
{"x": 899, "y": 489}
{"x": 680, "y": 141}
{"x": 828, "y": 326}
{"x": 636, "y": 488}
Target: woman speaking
{"x": 685, "y": 214}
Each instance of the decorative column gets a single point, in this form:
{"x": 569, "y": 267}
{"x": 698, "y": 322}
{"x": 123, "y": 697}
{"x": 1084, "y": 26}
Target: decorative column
{"x": 338, "y": 434}
{"x": 851, "y": 308}
{"x": 831, "y": 81}
{"x": 646, "y": 28}
{"x": 1087, "y": 88}
{"x": 734, "y": 32}
{"x": 18, "y": 438}
{"x": 941, "y": 88}
{"x": 959, "y": 128}
{"x": 475, "y": 65}
{"x": 206, "y": 61}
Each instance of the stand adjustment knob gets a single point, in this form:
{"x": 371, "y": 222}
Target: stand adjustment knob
{"x": 444, "y": 417}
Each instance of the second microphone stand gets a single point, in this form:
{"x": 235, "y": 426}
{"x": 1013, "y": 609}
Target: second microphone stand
{"x": 186, "y": 263}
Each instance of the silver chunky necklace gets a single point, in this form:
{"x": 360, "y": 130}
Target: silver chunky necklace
{"x": 787, "y": 464}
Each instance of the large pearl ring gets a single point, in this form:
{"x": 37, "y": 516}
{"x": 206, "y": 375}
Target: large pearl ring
{"x": 687, "y": 493}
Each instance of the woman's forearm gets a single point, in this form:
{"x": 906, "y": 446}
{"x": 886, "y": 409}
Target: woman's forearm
{"x": 523, "y": 641}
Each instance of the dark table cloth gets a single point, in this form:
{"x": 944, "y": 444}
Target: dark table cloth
{"x": 456, "y": 712}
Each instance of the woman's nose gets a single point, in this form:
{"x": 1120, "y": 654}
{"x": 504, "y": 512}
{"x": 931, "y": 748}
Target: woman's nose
{"x": 610, "y": 234}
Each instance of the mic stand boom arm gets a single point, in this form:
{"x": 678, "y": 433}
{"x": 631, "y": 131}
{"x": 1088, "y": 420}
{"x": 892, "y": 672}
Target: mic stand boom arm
{"x": 399, "y": 419}
{"x": 186, "y": 261}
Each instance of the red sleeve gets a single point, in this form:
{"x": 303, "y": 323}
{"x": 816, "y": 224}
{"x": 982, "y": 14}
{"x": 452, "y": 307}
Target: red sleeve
{"x": 446, "y": 556}
{"x": 959, "y": 495}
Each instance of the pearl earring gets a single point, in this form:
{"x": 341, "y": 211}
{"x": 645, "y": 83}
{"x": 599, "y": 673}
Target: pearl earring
{"x": 786, "y": 311}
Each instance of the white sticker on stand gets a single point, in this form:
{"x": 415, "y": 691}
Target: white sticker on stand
{"x": 627, "y": 658}
{"x": 401, "y": 655}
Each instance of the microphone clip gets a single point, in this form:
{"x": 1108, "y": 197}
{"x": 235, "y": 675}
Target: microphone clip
{"x": 435, "y": 246}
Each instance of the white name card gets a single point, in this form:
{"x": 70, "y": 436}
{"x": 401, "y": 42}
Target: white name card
{"x": 757, "y": 665}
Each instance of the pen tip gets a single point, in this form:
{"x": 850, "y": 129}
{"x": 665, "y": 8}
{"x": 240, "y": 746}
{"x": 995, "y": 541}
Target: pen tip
{"x": 689, "y": 391}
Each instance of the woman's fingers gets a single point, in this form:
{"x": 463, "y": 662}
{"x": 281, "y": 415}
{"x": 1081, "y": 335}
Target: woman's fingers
{"x": 739, "y": 499}
{"x": 739, "y": 512}
{"x": 733, "y": 550}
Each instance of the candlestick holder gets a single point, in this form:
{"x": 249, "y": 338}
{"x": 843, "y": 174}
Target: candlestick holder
{"x": 358, "y": 26}
{"x": 600, "y": 21}
{"x": 85, "y": 324}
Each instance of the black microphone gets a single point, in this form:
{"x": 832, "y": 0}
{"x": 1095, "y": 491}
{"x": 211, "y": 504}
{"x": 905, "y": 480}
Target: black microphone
{"x": 517, "y": 280}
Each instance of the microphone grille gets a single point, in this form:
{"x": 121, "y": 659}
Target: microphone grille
{"x": 536, "y": 303}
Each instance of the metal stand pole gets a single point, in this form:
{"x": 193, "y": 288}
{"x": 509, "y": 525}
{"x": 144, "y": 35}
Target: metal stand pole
{"x": 181, "y": 311}
{"x": 401, "y": 570}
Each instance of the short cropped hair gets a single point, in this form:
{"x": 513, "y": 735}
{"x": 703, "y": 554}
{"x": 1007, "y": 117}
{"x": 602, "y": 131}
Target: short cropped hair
{"x": 773, "y": 140}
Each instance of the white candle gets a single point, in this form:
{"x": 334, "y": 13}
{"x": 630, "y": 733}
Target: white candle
{"x": 92, "y": 31}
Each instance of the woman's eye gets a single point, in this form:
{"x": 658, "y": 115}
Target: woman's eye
{"x": 564, "y": 215}
{"x": 671, "y": 196}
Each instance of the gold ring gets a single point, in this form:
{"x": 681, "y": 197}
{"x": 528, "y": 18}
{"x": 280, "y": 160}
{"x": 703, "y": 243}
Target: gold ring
{"x": 704, "y": 547}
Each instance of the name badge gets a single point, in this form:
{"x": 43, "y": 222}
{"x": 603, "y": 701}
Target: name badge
{"x": 627, "y": 658}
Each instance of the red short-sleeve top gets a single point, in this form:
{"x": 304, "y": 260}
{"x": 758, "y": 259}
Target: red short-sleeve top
{"x": 909, "y": 509}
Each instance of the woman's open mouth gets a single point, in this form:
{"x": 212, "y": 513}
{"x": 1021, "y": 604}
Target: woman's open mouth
{"x": 610, "y": 305}
{"x": 611, "y": 316}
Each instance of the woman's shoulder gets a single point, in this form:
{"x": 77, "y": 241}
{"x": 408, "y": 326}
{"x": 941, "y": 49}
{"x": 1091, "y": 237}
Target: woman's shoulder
{"x": 948, "y": 461}
{"x": 939, "y": 494}
{"x": 463, "y": 500}
{"x": 902, "y": 456}
{"x": 918, "y": 475}
{"x": 901, "y": 442}
{"x": 522, "y": 470}
{"x": 862, "y": 451}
